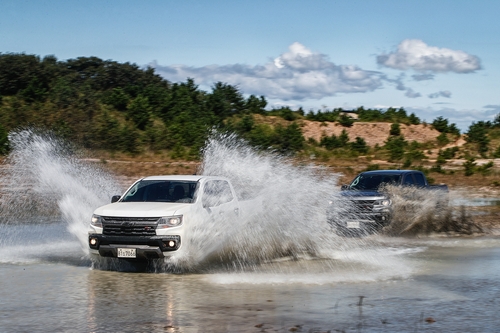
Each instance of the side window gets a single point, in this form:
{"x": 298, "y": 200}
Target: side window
{"x": 420, "y": 180}
{"x": 226, "y": 194}
{"x": 216, "y": 192}
{"x": 408, "y": 180}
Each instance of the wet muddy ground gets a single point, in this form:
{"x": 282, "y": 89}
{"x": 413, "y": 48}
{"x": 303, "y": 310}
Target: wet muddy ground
{"x": 385, "y": 285}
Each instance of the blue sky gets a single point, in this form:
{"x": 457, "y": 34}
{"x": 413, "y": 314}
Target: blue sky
{"x": 434, "y": 58}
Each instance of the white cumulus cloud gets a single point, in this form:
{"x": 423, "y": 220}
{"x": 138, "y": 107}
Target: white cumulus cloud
{"x": 423, "y": 77}
{"x": 444, "y": 93}
{"x": 297, "y": 74}
{"x": 412, "y": 94}
{"x": 417, "y": 55}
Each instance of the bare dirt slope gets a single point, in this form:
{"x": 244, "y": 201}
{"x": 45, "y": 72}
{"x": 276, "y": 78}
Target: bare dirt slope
{"x": 372, "y": 133}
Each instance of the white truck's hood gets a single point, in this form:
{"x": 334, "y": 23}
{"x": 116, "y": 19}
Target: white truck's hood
{"x": 141, "y": 209}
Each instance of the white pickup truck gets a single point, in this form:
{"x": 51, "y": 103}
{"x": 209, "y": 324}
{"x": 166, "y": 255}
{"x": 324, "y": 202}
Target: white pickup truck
{"x": 150, "y": 219}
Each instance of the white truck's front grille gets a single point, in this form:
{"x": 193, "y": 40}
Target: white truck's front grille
{"x": 129, "y": 226}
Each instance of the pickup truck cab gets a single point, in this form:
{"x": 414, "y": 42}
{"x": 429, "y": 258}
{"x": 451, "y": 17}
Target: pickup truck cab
{"x": 150, "y": 220}
{"x": 369, "y": 208}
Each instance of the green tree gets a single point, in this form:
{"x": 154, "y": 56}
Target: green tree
{"x": 395, "y": 129}
{"x": 469, "y": 167}
{"x": 442, "y": 139}
{"x": 345, "y": 120}
{"x": 17, "y": 71}
{"x": 129, "y": 140}
{"x": 4, "y": 141}
{"x": 261, "y": 135}
{"x": 414, "y": 152}
{"x": 395, "y": 145}
{"x": 188, "y": 121}
{"x": 440, "y": 161}
{"x": 359, "y": 145}
{"x": 440, "y": 124}
{"x": 246, "y": 124}
{"x": 63, "y": 92}
{"x": 118, "y": 98}
{"x": 330, "y": 142}
{"x": 496, "y": 154}
{"x": 286, "y": 113}
{"x": 414, "y": 120}
{"x": 343, "y": 138}
{"x": 334, "y": 142}
{"x": 496, "y": 121}
{"x": 453, "y": 129}
{"x": 478, "y": 134}
{"x": 35, "y": 91}
{"x": 290, "y": 138}
{"x": 139, "y": 111}
{"x": 225, "y": 100}
{"x": 256, "y": 105}
{"x": 107, "y": 133}
{"x": 448, "y": 153}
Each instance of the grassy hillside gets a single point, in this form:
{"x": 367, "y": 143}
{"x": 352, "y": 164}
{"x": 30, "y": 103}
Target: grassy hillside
{"x": 119, "y": 111}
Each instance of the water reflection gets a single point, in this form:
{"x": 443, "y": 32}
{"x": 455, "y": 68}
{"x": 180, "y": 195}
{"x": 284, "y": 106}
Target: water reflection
{"x": 476, "y": 202}
{"x": 454, "y": 287}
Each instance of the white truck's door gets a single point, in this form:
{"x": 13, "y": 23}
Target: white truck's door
{"x": 219, "y": 200}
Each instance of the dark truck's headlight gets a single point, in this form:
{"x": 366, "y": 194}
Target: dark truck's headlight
{"x": 169, "y": 222}
{"x": 384, "y": 202}
{"x": 96, "y": 221}
{"x": 382, "y": 205}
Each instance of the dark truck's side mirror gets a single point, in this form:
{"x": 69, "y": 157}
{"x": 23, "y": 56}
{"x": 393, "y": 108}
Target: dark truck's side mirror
{"x": 115, "y": 198}
{"x": 344, "y": 187}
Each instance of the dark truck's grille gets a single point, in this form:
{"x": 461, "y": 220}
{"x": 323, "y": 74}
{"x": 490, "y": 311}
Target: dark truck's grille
{"x": 129, "y": 226}
{"x": 363, "y": 205}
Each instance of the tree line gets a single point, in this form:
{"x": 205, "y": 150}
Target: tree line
{"x": 106, "y": 105}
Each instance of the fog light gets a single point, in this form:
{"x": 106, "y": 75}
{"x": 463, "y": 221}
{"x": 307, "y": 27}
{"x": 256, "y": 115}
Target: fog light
{"x": 93, "y": 241}
{"x": 171, "y": 243}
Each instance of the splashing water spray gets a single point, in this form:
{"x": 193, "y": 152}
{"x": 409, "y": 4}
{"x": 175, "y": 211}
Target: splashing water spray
{"x": 43, "y": 182}
{"x": 283, "y": 208}
{"x": 421, "y": 211}
{"x": 283, "y": 216}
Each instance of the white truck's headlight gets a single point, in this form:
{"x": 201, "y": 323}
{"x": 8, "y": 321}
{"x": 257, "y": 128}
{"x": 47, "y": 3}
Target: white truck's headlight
{"x": 96, "y": 221}
{"x": 169, "y": 221}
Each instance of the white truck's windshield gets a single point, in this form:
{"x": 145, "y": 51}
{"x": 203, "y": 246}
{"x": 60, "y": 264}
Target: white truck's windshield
{"x": 161, "y": 191}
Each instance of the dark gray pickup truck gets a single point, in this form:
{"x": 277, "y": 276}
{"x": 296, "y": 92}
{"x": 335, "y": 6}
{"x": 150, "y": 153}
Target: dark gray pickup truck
{"x": 367, "y": 209}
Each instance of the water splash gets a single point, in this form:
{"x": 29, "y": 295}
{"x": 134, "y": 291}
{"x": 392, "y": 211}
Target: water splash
{"x": 43, "y": 181}
{"x": 421, "y": 212}
{"x": 284, "y": 204}
{"x": 283, "y": 214}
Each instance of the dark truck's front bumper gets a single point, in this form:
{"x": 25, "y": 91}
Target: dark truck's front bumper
{"x": 146, "y": 247}
{"x": 361, "y": 223}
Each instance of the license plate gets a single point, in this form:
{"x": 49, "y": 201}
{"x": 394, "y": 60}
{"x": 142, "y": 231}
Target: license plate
{"x": 126, "y": 253}
{"x": 353, "y": 225}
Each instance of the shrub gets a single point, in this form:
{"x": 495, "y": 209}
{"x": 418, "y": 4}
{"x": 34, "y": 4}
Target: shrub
{"x": 359, "y": 145}
{"x": 469, "y": 167}
{"x": 4, "y": 141}
{"x": 346, "y": 121}
{"x": 395, "y": 129}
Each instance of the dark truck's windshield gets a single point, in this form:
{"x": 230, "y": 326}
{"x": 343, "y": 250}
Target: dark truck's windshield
{"x": 372, "y": 182}
{"x": 161, "y": 191}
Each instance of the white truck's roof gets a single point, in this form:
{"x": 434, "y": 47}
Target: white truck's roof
{"x": 194, "y": 178}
